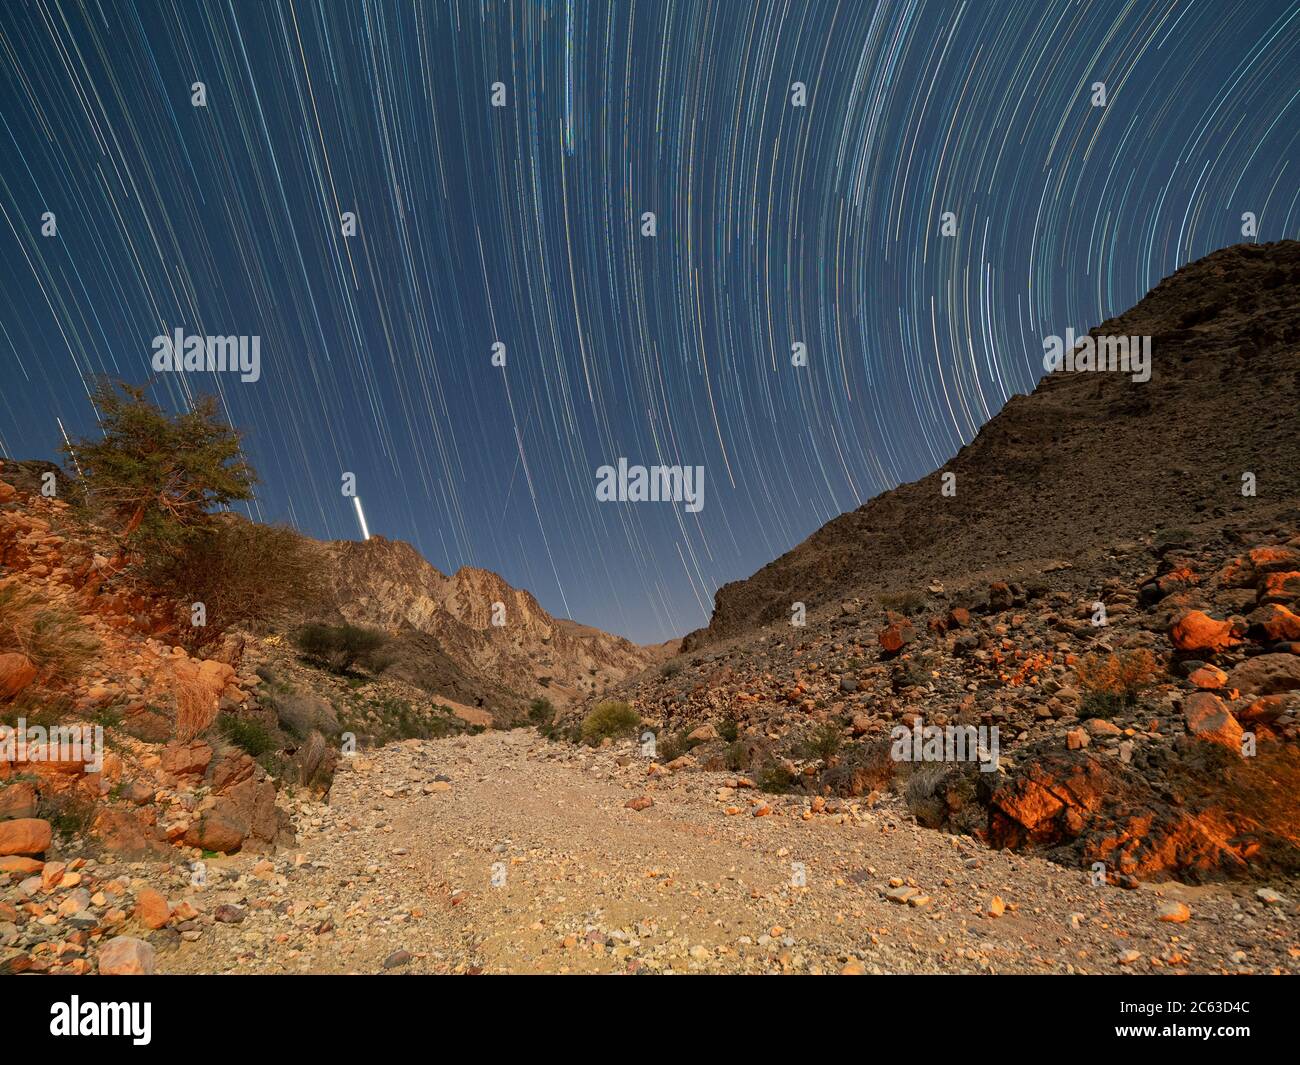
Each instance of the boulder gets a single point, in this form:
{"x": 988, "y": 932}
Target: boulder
{"x": 1208, "y": 678}
{"x": 18, "y": 801}
{"x": 122, "y": 832}
{"x": 896, "y": 635}
{"x": 217, "y": 832}
{"x": 151, "y": 908}
{"x": 1273, "y": 623}
{"x": 126, "y": 956}
{"x": 1266, "y": 674}
{"x": 25, "y": 836}
{"x": 1281, "y": 587}
{"x": 1208, "y": 719}
{"x": 1199, "y": 633}
{"x": 244, "y": 817}
{"x": 187, "y": 759}
{"x": 1000, "y": 596}
{"x": 233, "y": 767}
{"x": 16, "y": 672}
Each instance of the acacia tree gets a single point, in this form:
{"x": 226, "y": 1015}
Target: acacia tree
{"x": 160, "y": 475}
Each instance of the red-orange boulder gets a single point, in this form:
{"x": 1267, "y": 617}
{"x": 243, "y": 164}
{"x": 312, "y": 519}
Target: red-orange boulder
{"x": 16, "y": 672}
{"x": 1197, "y": 632}
{"x": 24, "y": 835}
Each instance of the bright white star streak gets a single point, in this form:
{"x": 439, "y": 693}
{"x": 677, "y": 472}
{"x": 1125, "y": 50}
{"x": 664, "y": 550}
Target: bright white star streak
{"x": 361, "y": 517}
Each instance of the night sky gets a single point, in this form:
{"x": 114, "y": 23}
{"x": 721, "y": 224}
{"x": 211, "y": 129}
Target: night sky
{"x": 776, "y": 224}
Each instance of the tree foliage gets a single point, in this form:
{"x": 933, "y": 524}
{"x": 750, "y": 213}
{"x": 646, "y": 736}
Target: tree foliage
{"x": 160, "y": 475}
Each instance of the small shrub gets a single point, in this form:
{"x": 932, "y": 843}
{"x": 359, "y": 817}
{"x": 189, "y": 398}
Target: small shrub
{"x": 1111, "y": 682}
{"x": 921, "y": 793}
{"x": 903, "y": 602}
{"x": 69, "y": 813}
{"x": 671, "y": 746}
{"x": 248, "y": 734}
{"x": 52, "y": 636}
{"x": 670, "y": 669}
{"x": 607, "y": 720}
{"x": 774, "y": 778}
{"x": 196, "y": 709}
{"x": 541, "y": 712}
{"x": 243, "y": 574}
{"x": 825, "y": 741}
{"x": 339, "y": 647}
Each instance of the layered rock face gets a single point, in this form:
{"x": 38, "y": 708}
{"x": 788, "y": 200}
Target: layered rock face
{"x": 471, "y": 636}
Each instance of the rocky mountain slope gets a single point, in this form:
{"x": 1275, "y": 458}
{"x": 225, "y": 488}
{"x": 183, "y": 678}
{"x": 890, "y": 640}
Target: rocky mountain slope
{"x": 1086, "y": 460}
{"x": 471, "y": 636}
{"x": 1100, "y": 595}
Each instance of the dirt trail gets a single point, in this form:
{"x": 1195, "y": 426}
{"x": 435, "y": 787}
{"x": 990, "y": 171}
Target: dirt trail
{"x": 402, "y": 863}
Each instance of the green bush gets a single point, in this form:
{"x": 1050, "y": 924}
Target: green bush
{"x": 248, "y": 734}
{"x": 541, "y": 712}
{"x": 774, "y": 777}
{"x": 607, "y": 720}
{"x": 340, "y": 647}
{"x": 825, "y": 741}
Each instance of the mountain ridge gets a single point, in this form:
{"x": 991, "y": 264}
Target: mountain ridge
{"x": 1245, "y": 293}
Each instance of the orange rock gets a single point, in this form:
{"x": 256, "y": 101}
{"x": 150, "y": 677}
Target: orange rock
{"x": 644, "y": 802}
{"x": 1274, "y": 623}
{"x": 1209, "y": 678}
{"x": 151, "y": 909}
{"x": 18, "y": 800}
{"x": 896, "y": 635}
{"x": 1196, "y": 631}
{"x": 13, "y": 863}
{"x": 187, "y": 759}
{"x": 1208, "y": 719}
{"x": 16, "y": 672}
{"x": 26, "y": 836}
{"x": 1246, "y": 571}
{"x": 126, "y": 956}
{"x": 1263, "y": 711}
{"x": 1283, "y": 587}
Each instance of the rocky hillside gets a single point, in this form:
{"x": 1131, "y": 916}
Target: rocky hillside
{"x": 1100, "y": 596}
{"x": 471, "y": 636}
{"x": 1088, "y": 459}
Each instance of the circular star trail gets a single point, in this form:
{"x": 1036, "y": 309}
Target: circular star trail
{"x": 799, "y": 159}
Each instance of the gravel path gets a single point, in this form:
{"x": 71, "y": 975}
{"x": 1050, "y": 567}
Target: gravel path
{"x": 506, "y": 853}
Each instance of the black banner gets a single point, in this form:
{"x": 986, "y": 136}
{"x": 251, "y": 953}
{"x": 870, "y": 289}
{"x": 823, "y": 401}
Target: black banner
{"x": 153, "y": 1015}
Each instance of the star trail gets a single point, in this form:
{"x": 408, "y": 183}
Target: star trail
{"x": 504, "y": 317}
